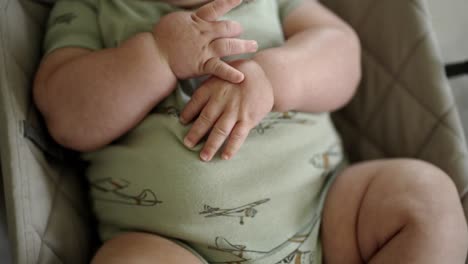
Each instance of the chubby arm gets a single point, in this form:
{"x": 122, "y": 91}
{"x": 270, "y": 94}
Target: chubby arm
{"x": 318, "y": 68}
{"x": 90, "y": 98}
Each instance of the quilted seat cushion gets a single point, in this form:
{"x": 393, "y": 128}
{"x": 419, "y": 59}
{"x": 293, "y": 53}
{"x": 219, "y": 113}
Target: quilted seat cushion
{"x": 404, "y": 106}
{"x": 48, "y": 216}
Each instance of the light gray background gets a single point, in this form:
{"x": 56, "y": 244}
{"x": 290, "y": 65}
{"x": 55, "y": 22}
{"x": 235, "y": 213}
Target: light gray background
{"x": 450, "y": 19}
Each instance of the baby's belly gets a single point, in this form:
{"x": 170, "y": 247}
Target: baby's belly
{"x": 149, "y": 180}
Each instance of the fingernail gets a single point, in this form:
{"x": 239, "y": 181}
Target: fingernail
{"x": 204, "y": 156}
{"x": 254, "y": 44}
{"x": 225, "y": 156}
{"x": 240, "y": 78}
{"x": 182, "y": 120}
{"x": 188, "y": 142}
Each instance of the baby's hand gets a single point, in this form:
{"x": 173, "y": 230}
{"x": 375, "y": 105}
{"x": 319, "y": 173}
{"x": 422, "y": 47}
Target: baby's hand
{"x": 229, "y": 110}
{"x": 193, "y": 43}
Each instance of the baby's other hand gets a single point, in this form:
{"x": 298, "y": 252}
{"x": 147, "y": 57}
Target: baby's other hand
{"x": 193, "y": 43}
{"x": 229, "y": 110}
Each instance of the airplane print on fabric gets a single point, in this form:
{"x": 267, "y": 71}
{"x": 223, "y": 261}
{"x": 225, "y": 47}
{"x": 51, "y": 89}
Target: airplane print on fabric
{"x": 247, "y": 210}
{"x": 328, "y": 158}
{"x": 275, "y": 118}
{"x": 116, "y": 191}
{"x": 238, "y": 253}
{"x": 66, "y": 18}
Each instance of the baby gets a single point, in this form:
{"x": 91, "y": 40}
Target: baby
{"x": 205, "y": 147}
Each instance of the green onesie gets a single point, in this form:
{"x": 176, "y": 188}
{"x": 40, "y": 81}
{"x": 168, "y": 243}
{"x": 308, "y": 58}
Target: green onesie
{"x": 263, "y": 206}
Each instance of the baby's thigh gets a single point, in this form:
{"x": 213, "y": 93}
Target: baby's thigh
{"x": 370, "y": 202}
{"x": 143, "y": 248}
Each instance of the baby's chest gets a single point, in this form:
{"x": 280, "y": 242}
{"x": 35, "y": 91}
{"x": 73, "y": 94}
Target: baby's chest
{"x": 121, "y": 19}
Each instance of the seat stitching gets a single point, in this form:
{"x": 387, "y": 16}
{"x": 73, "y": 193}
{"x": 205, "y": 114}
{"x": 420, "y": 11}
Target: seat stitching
{"x": 54, "y": 200}
{"x": 395, "y": 78}
{"x": 431, "y": 133}
{"x": 24, "y": 205}
{"x": 48, "y": 246}
{"x": 404, "y": 86}
{"x": 363, "y": 134}
{"x": 65, "y": 195}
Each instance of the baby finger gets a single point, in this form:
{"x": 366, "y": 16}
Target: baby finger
{"x": 236, "y": 139}
{"x": 216, "y": 9}
{"x": 230, "y": 46}
{"x": 204, "y": 123}
{"x": 218, "y": 135}
{"x": 199, "y": 99}
{"x": 222, "y": 70}
{"x": 226, "y": 29}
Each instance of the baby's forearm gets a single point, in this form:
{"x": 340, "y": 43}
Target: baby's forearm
{"x": 93, "y": 99}
{"x": 317, "y": 70}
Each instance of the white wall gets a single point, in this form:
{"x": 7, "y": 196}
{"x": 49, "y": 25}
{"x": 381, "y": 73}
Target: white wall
{"x": 450, "y": 21}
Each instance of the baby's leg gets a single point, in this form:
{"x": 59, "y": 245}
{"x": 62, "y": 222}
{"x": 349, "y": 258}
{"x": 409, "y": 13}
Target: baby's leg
{"x": 143, "y": 248}
{"x": 394, "y": 211}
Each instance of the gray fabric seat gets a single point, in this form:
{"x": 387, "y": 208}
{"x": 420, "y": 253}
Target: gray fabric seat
{"x": 404, "y": 108}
